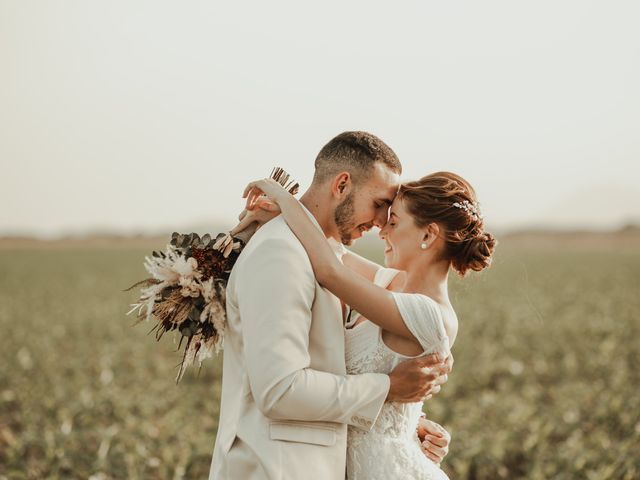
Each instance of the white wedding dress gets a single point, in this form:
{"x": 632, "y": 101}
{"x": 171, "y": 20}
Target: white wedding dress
{"x": 391, "y": 450}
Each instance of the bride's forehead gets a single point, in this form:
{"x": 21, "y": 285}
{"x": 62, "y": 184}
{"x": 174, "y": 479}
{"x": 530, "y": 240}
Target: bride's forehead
{"x": 397, "y": 206}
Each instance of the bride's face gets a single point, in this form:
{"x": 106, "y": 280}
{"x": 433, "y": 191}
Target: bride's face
{"x": 401, "y": 236}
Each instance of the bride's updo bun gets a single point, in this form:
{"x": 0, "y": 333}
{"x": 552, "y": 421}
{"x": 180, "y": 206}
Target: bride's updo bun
{"x": 476, "y": 254}
{"x": 448, "y": 200}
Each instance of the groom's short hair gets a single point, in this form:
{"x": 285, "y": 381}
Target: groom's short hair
{"x": 356, "y": 153}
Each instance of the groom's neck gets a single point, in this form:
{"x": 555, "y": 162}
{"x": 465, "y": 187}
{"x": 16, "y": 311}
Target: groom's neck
{"x": 318, "y": 209}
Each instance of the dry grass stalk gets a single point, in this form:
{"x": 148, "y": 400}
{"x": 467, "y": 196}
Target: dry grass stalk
{"x": 173, "y": 308}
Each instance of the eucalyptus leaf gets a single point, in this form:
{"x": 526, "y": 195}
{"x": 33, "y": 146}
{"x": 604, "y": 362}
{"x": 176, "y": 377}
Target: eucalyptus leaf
{"x": 194, "y": 314}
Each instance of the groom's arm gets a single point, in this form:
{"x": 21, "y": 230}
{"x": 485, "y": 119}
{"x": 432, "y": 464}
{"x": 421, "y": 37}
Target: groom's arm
{"x": 275, "y": 297}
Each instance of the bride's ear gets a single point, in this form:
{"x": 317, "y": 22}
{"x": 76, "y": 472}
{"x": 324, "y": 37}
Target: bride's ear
{"x": 341, "y": 185}
{"x": 430, "y": 234}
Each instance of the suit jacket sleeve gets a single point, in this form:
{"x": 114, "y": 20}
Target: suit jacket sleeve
{"x": 275, "y": 293}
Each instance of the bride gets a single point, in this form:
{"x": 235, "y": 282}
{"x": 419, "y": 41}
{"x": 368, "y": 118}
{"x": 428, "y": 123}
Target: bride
{"x": 401, "y": 311}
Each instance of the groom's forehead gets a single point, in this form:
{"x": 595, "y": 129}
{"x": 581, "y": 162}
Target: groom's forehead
{"x": 387, "y": 195}
{"x": 383, "y": 194}
{"x": 384, "y": 185}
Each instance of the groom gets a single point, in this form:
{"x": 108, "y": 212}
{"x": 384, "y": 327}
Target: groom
{"x": 286, "y": 397}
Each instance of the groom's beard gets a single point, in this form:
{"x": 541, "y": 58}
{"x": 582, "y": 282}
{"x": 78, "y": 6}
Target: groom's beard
{"x": 344, "y": 217}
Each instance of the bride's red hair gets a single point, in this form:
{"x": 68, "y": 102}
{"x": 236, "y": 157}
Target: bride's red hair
{"x": 431, "y": 200}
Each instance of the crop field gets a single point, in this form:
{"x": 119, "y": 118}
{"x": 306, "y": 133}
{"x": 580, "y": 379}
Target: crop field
{"x": 546, "y": 381}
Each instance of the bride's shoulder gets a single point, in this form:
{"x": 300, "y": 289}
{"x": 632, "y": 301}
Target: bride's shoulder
{"x": 443, "y": 311}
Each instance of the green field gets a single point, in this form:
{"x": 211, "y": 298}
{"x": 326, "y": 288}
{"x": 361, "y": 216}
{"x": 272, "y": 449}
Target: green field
{"x": 546, "y": 382}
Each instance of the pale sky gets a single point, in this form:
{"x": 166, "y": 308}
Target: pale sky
{"x": 146, "y": 115}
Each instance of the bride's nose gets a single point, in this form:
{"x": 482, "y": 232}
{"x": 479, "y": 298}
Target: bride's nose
{"x": 383, "y": 232}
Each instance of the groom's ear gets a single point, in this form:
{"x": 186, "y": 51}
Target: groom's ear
{"x": 341, "y": 185}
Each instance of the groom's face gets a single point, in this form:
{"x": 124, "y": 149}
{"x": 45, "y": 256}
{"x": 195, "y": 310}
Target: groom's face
{"x": 367, "y": 205}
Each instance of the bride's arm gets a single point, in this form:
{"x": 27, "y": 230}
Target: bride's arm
{"x": 361, "y": 265}
{"x": 373, "y": 302}
{"x": 252, "y": 220}
{"x": 368, "y": 269}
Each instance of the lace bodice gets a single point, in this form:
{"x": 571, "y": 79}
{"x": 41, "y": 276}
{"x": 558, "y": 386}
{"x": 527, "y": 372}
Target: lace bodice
{"x": 368, "y": 455}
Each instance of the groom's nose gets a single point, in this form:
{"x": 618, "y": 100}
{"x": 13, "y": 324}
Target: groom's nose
{"x": 381, "y": 219}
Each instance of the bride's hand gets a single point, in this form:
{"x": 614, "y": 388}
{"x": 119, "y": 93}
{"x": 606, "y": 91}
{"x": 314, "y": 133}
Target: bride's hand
{"x": 256, "y": 191}
{"x": 434, "y": 440}
{"x": 263, "y": 211}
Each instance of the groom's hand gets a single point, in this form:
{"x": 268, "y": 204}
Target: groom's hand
{"x": 419, "y": 378}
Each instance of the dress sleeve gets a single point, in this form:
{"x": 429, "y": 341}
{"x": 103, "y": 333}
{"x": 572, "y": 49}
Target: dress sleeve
{"x": 423, "y": 318}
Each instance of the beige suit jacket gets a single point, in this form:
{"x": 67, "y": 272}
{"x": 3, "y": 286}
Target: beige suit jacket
{"x": 286, "y": 398}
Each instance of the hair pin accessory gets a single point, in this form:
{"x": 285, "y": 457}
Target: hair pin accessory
{"x": 472, "y": 209}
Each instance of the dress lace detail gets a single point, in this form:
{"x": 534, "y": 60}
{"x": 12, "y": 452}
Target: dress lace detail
{"x": 391, "y": 449}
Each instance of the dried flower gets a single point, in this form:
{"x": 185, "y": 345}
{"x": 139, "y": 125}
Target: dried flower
{"x": 186, "y": 291}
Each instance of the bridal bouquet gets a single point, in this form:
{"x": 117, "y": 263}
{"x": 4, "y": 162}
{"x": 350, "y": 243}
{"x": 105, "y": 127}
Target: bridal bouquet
{"x": 186, "y": 290}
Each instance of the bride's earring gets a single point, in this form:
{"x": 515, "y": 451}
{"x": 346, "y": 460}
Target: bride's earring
{"x": 423, "y": 246}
